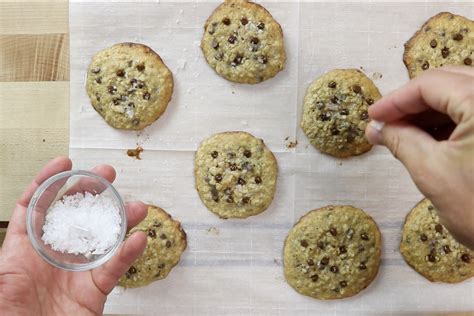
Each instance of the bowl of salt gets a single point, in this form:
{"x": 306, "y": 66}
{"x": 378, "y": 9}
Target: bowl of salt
{"x": 76, "y": 220}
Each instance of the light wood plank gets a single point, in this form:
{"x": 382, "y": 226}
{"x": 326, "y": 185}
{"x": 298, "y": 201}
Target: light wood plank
{"x": 34, "y": 57}
{"x": 33, "y": 133}
{"x": 33, "y": 17}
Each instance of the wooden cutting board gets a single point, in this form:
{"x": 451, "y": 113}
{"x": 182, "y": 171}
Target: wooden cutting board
{"x": 34, "y": 92}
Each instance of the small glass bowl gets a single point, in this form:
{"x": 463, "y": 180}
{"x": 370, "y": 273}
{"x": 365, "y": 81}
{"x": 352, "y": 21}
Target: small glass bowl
{"x": 54, "y": 189}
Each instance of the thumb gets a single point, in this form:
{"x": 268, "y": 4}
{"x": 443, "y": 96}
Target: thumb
{"x": 407, "y": 143}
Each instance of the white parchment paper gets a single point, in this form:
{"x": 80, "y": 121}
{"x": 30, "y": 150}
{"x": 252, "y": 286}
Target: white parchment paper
{"x": 235, "y": 266}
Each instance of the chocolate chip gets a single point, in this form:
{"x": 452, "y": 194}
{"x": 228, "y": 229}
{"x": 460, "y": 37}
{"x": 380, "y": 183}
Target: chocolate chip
{"x": 458, "y": 37}
{"x": 133, "y": 81}
{"x": 96, "y": 70}
{"x": 247, "y": 153}
{"x": 241, "y": 181}
{"x": 161, "y": 266}
{"x": 364, "y": 236}
{"x": 310, "y": 262}
{"x": 364, "y": 115}
{"x": 226, "y": 21}
{"x": 423, "y": 237}
{"x": 229, "y": 200}
{"x": 325, "y": 116}
{"x": 219, "y": 55}
{"x": 362, "y": 266}
{"x": 214, "y": 194}
{"x": 131, "y": 105}
{"x": 333, "y": 231}
{"x": 162, "y": 236}
{"x": 214, "y": 44}
{"x": 120, "y": 73}
{"x": 439, "y": 228}
{"x": 98, "y": 80}
{"x": 262, "y": 59}
{"x": 360, "y": 248}
{"x": 232, "y": 39}
{"x": 258, "y": 180}
{"x": 214, "y": 154}
{"x": 130, "y": 63}
{"x": 212, "y": 28}
{"x": 112, "y": 89}
{"x": 344, "y": 112}
{"x": 446, "y": 249}
{"x": 334, "y": 131}
{"x": 245, "y": 200}
{"x": 320, "y": 105}
{"x": 466, "y": 258}
{"x": 146, "y": 96}
{"x": 132, "y": 270}
{"x": 342, "y": 249}
{"x": 140, "y": 85}
{"x": 244, "y": 20}
{"x": 431, "y": 257}
{"x": 324, "y": 261}
{"x": 237, "y": 60}
{"x": 334, "y": 99}
{"x": 321, "y": 245}
{"x": 140, "y": 67}
{"x": 369, "y": 101}
{"x": 254, "y": 40}
{"x": 261, "y": 26}
{"x": 157, "y": 224}
{"x": 467, "y": 61}
{"x": 135, "y": 121}
{"x": 304, "y": 243}
{"x": 433, "y": 43}
{"x": 425, "y": 65}
{"x": 343, "y": 283}
{"x": 152, "y": 233}
{"x": 314, "y": 277}
{"x": 445, "y": 52}
{"x": 233, "y": 167}
{"x": 332, "y": 84}
{"x": 168, "y": 244}
{"x": 430, "y": 207}
{"x": 356, "y": 88}
{"x": 334, "y": 269}
{"x": 218, "y": 177}
{"x": 97, "y": 96}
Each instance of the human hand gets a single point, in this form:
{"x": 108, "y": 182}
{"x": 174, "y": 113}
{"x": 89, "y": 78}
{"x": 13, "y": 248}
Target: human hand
{"x": 31, "y": 286}
{"x": 428, "y": 124}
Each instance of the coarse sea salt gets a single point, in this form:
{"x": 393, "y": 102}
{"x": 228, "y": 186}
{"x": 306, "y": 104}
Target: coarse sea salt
{"x": 84, "y": 224}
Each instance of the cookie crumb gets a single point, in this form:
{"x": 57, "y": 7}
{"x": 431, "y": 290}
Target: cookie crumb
{"x": 213, "y": 231}
{"x": 44, "y": 140}
{"x": 377, "y": 76}
{"x": 292, "y": 144}
{"x": 276, "y": 261}
{"x": 135, "y": 152}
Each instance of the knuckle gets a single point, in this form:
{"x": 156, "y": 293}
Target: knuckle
{"x": 392, "y": 141}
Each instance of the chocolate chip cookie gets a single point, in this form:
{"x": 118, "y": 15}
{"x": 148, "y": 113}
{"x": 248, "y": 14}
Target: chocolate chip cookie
{"x": 235, "y": 174}
{"x": 431, "y": 250}
{"x": 129, "y": 85}
{"x": 332, "y": 252}
{"x": 335, "y": 112}
{"x": 243, "y": 43}
{"x": 166, "y": 242}
{"x": 445, "y": 39}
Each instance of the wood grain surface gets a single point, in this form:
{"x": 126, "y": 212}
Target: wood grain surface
{"x": 34, "y": 92}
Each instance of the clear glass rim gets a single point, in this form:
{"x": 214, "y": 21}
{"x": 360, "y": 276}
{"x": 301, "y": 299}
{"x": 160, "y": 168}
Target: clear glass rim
{"x": 74, "y": 266}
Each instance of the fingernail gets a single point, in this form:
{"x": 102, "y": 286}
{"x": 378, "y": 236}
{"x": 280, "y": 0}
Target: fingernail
{"x": 377, "y": 125}
{"x": 374, "y": 135}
